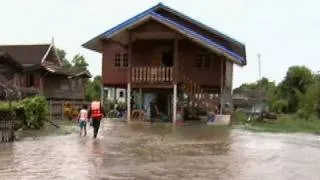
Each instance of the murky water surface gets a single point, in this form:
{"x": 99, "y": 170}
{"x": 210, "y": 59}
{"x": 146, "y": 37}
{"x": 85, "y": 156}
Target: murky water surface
{"x": 161, "y": 151}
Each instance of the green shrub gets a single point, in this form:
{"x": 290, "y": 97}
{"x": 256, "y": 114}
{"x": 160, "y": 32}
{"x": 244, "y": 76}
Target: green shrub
{"x": 29, "y": 113}
{"x": 309, "y": 102}
{"x": 303, "y": 113}
{"x": 33, "y": 110}
{"x": 280, "y": 106}
{"x": 238, "y": 116}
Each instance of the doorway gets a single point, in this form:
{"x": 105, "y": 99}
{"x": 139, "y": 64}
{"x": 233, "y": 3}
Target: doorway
{"x": 167, "y": 59}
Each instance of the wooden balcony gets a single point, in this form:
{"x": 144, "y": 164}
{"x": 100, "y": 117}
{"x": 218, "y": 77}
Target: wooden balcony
{"x": 152, "y": 74}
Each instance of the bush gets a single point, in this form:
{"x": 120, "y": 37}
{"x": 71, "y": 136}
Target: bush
{"x": 238, "y": 116}
{"x": 33, "y": 110}
{"x": 309, "y": 101}
{"x": 280, "y": 106}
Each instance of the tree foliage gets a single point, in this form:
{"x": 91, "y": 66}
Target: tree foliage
{"x": 62, "y": 56}
{"x": 265, "y": 84}
{"x": 93, "y": 91}
{"x": 279, "y": 106}
{"x": 298, "y": 79}
{"x": 77, "y": 61}
{"x": 309, "y": 102}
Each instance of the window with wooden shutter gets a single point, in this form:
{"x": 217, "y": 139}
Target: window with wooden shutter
{"x": 203, "y": 60}
{"x": 125, "y": 59}
{"x": 198, "y": 61}
{"x": 117, "y": 60}
{"x": 121, "y": 60}
{"x": 30, "y": 81}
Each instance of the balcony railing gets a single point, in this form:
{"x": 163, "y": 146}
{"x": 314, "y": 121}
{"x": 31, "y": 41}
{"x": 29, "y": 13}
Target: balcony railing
{"x": 152, "y": 74}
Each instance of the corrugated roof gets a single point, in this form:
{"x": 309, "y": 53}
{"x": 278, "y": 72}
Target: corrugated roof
{"x": 188, "y": 32}
{"x": 26, "y": 54}
{"x": 73, "y": 72}
{"x": 5, "y": 57}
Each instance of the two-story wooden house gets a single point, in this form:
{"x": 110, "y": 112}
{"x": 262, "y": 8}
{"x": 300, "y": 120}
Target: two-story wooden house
{"x": 37, "y": 69}
{"x": 165, "y": 53}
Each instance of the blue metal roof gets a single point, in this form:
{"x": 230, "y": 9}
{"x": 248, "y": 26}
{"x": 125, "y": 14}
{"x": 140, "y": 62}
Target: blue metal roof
{"x": 130, "y": 21}
{"x": 240, "y": 59}
{"x": 151, "y": 12}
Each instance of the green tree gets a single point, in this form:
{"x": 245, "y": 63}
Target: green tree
{"x": 266, "y": 85}
{"x": 298, "y": 79}
{"x": 93, "y": 89}
{"x": 62, "y": 56}
{"x": 79, "y": 61}
{"x": 309, "y": 101}
{"x": 279, "y": 106}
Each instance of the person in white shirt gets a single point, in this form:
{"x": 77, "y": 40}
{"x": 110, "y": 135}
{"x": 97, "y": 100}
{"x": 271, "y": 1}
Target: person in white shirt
{"x": 83, "y": 119}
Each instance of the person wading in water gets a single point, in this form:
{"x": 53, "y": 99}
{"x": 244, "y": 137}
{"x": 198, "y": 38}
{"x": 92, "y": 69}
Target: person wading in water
{"x": 83, "y": 119}
{"x": 96, "y": 112}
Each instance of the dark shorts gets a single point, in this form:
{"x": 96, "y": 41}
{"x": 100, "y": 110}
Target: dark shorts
{"x": 82, "y": 124}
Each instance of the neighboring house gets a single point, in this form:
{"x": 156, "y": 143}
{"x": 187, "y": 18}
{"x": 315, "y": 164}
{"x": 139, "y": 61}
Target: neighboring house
{"x": 161, "y": 53}
{"x": 10, "y": 73}
{"x": 247, "y": 99}
{"x": 36, "y": 69}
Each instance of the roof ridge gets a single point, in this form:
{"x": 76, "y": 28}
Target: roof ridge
{"x": 124, "y": 22}
{"x": 203, "y": 25}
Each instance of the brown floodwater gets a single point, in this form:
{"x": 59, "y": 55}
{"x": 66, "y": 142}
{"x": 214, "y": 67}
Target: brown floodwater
{"x": 163, "y": 151}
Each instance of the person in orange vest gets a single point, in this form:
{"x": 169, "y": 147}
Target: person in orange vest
{"x": 96, "y": 112}
{"x": 83, "y": 119}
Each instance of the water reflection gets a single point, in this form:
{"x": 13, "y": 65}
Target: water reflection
{"x": 163, "y": 151}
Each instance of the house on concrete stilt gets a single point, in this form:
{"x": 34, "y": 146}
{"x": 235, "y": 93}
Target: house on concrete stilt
{"x": 165, "y": 55}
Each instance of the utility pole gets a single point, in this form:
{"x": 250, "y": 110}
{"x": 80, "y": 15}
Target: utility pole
{"x": 260, "y": 80}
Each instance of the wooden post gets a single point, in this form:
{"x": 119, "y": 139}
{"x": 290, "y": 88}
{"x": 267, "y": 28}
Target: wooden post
{"x": 129, "y": 102}
{"x": 62, "y": 109}
{"x": 174, "y": 104}
{"x": 175, "y": 64}
{"x": 175, "y": 81}
{"x": 221, "y": 85}
{"x": 129, "y": 71}
{"x": 114, "y": 93}
{"x": 140, "y": 98}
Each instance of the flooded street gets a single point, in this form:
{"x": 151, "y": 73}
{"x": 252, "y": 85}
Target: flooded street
{"x": 161, "y": 151}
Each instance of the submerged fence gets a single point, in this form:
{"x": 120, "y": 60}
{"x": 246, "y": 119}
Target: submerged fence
{"x": 6, "y": 126}
{"x": 60, "y": 109}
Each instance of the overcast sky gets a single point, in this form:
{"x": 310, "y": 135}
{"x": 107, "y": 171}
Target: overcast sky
{"x": 284, "y": 32}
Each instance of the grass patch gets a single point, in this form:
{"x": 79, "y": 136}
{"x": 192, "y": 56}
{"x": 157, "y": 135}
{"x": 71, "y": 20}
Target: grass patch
{"x": 284, "y": 124}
